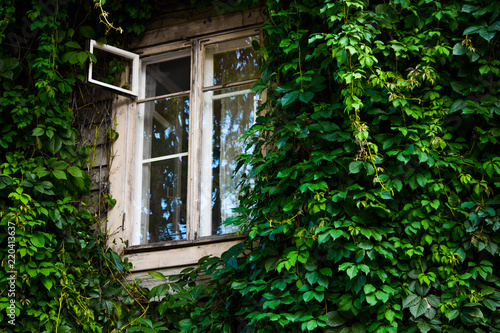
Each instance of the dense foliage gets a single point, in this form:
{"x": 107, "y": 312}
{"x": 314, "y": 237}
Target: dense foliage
{"x": 373, "y": 201}
{"x": 61, "y": 276}
{"x": 374, "y": 205}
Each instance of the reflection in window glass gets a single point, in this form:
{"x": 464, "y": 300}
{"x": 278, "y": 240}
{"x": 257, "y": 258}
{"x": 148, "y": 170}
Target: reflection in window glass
{"x": 166, "y": 125}
{"x": 164, "y": 201}
{"x": 164, "y": 174}
{"x": 232, "y": 116}
{"x": 232, "y": 61}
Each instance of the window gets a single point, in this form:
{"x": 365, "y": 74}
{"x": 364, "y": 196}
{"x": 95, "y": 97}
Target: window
{"x": 183, "y": 136}
{"x": 189, "y": 131}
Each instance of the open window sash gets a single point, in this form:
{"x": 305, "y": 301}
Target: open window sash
{"x": 134, "y": 70}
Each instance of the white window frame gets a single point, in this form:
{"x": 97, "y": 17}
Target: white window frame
{"x": 134, "y": 91}
{"x": 126, "y": 222}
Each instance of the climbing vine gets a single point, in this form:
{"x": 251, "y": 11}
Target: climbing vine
{"x": 372, "y": 205}
{"x": 57, "y": 274}
{"x": 374, "y": 202}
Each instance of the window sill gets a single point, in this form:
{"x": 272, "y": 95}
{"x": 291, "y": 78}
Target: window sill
{"x": 171, "y": 255}
{"x": 181, "y": 243}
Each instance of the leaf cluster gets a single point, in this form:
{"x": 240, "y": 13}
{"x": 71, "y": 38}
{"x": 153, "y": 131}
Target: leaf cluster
{"x": 373, "y": 204}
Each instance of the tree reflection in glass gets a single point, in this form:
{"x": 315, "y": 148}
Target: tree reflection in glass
{"x": 165, "y": 178}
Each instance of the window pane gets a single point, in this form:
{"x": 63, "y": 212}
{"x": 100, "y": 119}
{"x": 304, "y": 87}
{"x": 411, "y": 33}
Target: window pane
{"x": 166, "y": 127}
{"x": 230, "y": 62}
{"x": 168, "y": 77}
{"x": 232, "y": 115}
{"x": 164, "y": 200}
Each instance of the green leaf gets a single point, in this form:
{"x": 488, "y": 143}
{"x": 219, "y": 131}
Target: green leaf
{"x": 419, "y": 309}
{"x": 459, "y": 49}
{"x": 384, "y": 297}
{"x": 421, "y": 180}
{"x": 355, "y": 167}
{"x": 39, "y": 131}
{"x": 390, "y": 315}
{"x": 289, "y": 98}
{"x": 306, "y": 96}
{"x": 59, "y": 174}
{"x": 75, "y": 172}
{"x": 469, "y": 8}
{"x": 369, "y": 288}
{"x": 335, "y": 319}
{"x": 54, "y": 144}
{"x": 474, "y": 312}
{"x": 85, "y": 214}
{"x": 452, "y": 314}
{"x": 358, "y": 328}
{"x": 352, "y": 271}
{"x": 47, "y": 282}
{"x": 73, "y": 44}
{"x": 86, "y": 31}
{"x": 341, "y": 56}
{"x": 309, "y": 295}
{"x": 312, "y": 277}
{"x": 145, "y": 321}
{"x": 411, "y": 300}
{"x": 487, "y": 35}
{"x": 473, "y": 30}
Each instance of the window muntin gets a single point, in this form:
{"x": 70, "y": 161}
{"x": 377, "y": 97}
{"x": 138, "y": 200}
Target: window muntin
{"x": 223, "y": 114}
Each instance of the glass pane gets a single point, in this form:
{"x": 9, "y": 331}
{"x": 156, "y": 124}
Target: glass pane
{"x": 232, "y": 115}
{"x": 166, "y": 127}
{"x": 109, "y": 69}
{"x": 230, "y": 61}
{"x": 164, "y": 200}
{"x": 168, "y": 77}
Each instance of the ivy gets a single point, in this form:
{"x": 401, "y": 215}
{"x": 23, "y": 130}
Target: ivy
{"x": 372, "y": 204}
{"x": 57, "y": 274}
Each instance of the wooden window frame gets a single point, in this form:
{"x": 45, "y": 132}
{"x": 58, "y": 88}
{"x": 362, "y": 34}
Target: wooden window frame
{"x": 124, "y": 223}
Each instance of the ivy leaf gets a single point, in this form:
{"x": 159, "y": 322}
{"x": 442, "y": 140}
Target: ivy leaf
{"x": 157, "y": 275}
{"x": 419, "y": 309}
{"x": 39, "y": 131}
{"x": 390, "y": 315}
{"x": 352, "y": 271}
{"x": 312, "y": 277}
{"x": 47, "y": 282}
{"x": 487, "y": 35}
{"x": 73, "y": 44}
{"x": 117, "y": 261}
{"x": 369, "y": 288}
{"x": 75, "y": 172}
{"x": 411, "y": 300}
{"x": 355, "y": 167}
{"x": 289, "y": 98}
{"x": 459, "y": 49}
{"x": 335, "y": 319}
{"x": 473, "y": 30}
{"x": 59, "y": 174}
{"x": 384, "y": 297}
{"x": 421, "y": 180}
{"x": 306, "y": 96}
{"x": 54, "y": 144}
{"x": 309, "y": 295}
